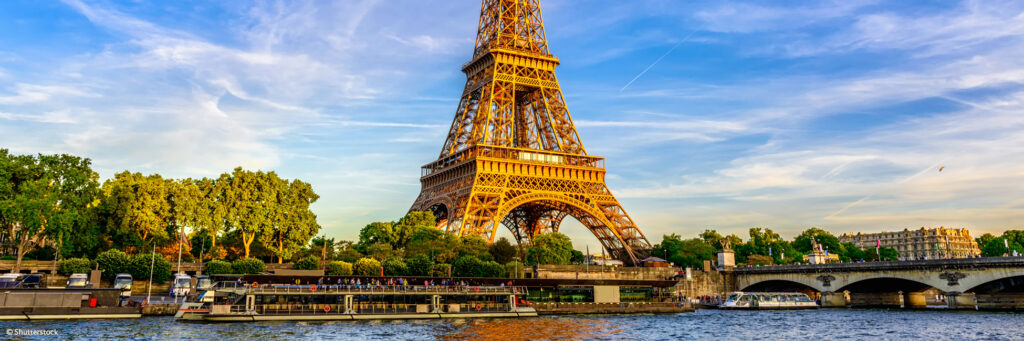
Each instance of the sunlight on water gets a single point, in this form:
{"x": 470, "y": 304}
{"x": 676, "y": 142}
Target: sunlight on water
{"x": 826, "y": 324}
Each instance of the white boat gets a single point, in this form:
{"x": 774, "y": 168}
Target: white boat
{"x": 768, "y": 301}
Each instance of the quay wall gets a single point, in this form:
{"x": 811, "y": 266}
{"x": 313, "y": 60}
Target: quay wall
{"x": 699, "y": 283}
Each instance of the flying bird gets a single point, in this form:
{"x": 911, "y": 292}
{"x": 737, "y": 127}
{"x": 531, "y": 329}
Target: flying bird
{"x": 941, "y": 168}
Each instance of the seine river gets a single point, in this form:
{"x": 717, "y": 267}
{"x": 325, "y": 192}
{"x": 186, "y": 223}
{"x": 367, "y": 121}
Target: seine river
{"x": 826, "y": 324}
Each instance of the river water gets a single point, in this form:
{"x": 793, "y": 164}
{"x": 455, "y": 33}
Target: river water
{"x": 825, "y": 324}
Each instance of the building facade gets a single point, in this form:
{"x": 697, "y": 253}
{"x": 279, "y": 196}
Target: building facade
{"x": 920, "y": 244}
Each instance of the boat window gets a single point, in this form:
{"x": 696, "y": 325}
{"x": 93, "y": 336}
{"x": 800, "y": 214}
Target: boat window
{"x": 203, "y": 283}
{"x": 122, "y": 283}
{"x": 76, "y": 282}
{"x": 182, "y": 282}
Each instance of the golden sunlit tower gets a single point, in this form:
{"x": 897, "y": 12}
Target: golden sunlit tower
{"x": 513, "y": 156}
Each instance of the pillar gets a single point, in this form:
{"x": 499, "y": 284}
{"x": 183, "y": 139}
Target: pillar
{"x": 960, "y": 300}
{"x": 876, "y": 299}
{"x": 833, "y": 299}
{"x": 914, "y": 300}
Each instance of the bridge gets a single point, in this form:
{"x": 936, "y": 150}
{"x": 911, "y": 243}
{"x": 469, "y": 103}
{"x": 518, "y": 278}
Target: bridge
{"x": 975, "y": 283}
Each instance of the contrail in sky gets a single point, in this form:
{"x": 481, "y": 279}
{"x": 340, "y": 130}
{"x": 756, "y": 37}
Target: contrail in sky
{"x": 656, "y": 61}
{"x": 865, "y": 198}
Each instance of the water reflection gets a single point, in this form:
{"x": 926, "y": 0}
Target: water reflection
{"x": 825, "y": 324}
{"x": 560, "y": 328}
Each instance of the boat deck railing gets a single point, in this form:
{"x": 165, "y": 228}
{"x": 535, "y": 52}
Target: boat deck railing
{"x": 370, "y": 289}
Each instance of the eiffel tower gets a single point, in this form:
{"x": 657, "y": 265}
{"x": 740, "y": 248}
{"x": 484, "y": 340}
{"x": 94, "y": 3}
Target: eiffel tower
{"x": 513, "y": 156}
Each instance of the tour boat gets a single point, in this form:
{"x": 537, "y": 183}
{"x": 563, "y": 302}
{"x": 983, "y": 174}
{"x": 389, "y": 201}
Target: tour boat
{"x": 768, "y": 301}
{"x": 61, "y": 304}
{"x": 233, "y": 301}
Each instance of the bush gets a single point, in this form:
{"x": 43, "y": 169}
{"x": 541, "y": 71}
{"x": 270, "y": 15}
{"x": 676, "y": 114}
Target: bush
{"x": 492, "y": 269}
{"x": 395, "y": 267}
{"x": 440, "y": 270}
{"x": 113, "y": 262}
{"x": 418, "y": 265}
{"x": 367, "y": 267}
{"x": 74, "y": 265}
{"x": 41, "y": 253}
{"x": 140, "y": 265}
{"x": 339, "y": 268}
{"x": 514, "y": 269}
{"x": 217, "y": 267}
{"x": 467, "y": 266}
{"x": 308, "y": 263}
{"x": 248, "y": 266}
{"x": 8, "y": 257}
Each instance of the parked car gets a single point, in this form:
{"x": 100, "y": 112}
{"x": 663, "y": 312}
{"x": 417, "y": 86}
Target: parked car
{"x": 124, "y": 282}
{"x": 181, "y": 286}
{"x": 78, "y": 281}
{"x": 32, "y": 281}
{"x": 203, "y": 282}
{"x": 11, "y": 280}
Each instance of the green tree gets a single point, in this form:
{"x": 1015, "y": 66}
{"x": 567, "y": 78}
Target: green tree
{"x": 44, "y": 197}
{"x": 684, "y": 253}
{"x": 250, "y": 203}
{"x": 248, "y": 266}
{"x": 308, "y": 263}
{"x": 468, "y": 266}
{"x": 984, "y": 239}
{"x": 217, "y": 267}
{"x": 367, "y": 267}
{"x": 74, "y": 265}
{"x": 395, "y": 267}
{"x": 503, "y": 251}
{"x": 440, "y": 270}
{"x": 1015, "y": 236}
{"x": 711, "y": 237}
{"x": 418, "y": 265}
{"x": 339, "y": 268}
{"x": 292, "y": 223}
{"x": 997, "y": 247}
{"x": 549, "y": 248}
{"x": 347, "y": 251}
{"x": 137, "y": 209}
{"x": 514, "y": 269}
{"x": 141, "y": 264}
{"x": 474, "y": 245}
{"x": 375, "y": 233}
{"x": 802, "y": 242}
{"x": 113, "y": 262}
{"x": 403, "y": 230}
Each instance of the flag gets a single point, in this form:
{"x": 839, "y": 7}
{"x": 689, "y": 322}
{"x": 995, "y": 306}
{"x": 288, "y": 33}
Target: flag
{"x": 769, "y": 251}
{"x": 878, "y": 243}
{"x": 184, "y": 239}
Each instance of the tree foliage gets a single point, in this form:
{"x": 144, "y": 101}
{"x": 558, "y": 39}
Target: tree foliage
{"x": 549, "y": 248}
{"x": 418, "y": 265}
{"x": 684, "y": 253}
{"x": 308, "y": 263}
{"x": 503, "y": 251}
{"x": 248, "y": 266}
{"x": 113, "y": 262}
{"x": 141, "y": 264}
{"x": 367, "y": 267}
{"x": 217, "y": 267}
{"x": 45, "y": 197}
{"x": 74, "y": 265}
{"x": 339, "y": 268}
{"x": 395, "y": 267}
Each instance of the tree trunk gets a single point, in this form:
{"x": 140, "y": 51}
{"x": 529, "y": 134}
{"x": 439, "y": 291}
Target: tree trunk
{"x": 21, "y": 253}
{"x": 280, "y": 251}
{"x": 247, "y": 241}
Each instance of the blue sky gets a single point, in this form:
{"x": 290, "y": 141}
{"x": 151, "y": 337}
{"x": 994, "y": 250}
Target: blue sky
{"x": 712, "y": 114}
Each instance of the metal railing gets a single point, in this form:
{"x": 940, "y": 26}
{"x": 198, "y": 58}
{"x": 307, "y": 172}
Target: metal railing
{"x": 370, "y": 289}
{"x": 518, "y": 154}
{"x": 957, "y": 263}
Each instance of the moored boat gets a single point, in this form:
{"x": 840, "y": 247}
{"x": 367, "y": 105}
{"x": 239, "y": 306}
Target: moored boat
{"x": 768, "y": 301}
{"x": 71, "y": 303}
{"x": 232, "y": 301}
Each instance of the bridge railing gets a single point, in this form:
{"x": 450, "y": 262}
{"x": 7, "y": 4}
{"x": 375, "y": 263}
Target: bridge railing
{"x": 986, "y": 262}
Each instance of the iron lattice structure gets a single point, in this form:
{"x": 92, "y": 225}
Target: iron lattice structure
{"x": 512, "y": 156}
